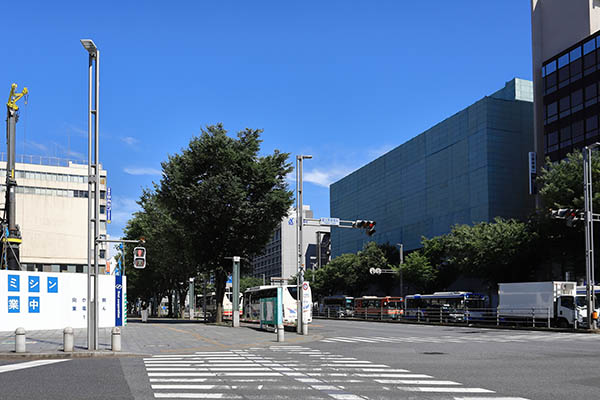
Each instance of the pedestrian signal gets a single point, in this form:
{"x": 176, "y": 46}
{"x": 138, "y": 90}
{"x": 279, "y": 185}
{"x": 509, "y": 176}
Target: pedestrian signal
{"x": 139, "y": 257}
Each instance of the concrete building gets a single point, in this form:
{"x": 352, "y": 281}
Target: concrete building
{"x": 564, "y": 75}
{"x": 52, "y": 211}
{"x": 469, "y": 168}
{"x": 279, "y": 257}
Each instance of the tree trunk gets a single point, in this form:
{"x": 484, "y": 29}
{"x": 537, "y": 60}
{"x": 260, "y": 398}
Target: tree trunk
{"x": 182, "y": 296}
{"x": 220, "y": 292}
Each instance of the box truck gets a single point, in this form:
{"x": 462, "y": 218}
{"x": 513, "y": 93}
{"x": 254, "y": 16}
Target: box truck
{"x": 555, "y": 301}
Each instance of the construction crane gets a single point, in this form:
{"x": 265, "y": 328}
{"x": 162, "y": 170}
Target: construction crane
{"x": 11, "y": 233}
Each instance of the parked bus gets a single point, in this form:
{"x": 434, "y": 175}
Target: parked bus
{"x": 211, "y": 304}
{"x": 445, "y": 306}
{"x": 374, "y": 307}
{"x": 338, "y": 306}
{"x": 253, "y": 295}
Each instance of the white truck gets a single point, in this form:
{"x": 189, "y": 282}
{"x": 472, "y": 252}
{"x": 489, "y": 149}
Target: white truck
{"x": 555, "y": 301}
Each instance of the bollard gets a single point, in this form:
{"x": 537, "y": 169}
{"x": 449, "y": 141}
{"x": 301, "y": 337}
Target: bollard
{"x": 68, "y": 339}
{"x": 115, "y": 339}
{"x": 145, "y": 315}
{"x": 20, "y": 340}
{"x": 280, "y": 333}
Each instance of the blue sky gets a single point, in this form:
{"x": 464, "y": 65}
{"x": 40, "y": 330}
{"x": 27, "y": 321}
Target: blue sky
{"x": 345, "y": 81}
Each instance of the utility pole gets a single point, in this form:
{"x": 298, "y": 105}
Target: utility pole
{"x": 235, "y": 281}
{"x": 302, "y": 328}
{"x": 12, "y": 240}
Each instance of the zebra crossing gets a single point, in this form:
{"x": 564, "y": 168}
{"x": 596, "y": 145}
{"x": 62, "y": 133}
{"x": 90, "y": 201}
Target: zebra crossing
{"x": 471, "y": 338}
{"x": 295, "y": 372}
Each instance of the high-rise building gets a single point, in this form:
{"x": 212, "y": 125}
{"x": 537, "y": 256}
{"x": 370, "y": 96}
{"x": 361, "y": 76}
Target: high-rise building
{"x": 52, "y": 212}
{"x": 565, "y": 52}
{"x": 279, "y": 258}
{"x": 472, "y": 167}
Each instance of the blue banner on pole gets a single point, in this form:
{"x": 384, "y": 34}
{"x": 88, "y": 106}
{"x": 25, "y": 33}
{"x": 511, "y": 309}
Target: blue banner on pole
{"x": 118, "y": 300}
{"x": 108, "y": 205}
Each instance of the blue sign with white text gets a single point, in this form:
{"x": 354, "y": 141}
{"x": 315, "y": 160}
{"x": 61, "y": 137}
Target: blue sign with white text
{"x": 34, "y": 284}
{"x": 13, "y": 283}
{"x": 52, "y": 284}
{"x": 14, "y": 304}
{"x": 118, "y": 300}
{"x": 34, "y": 305}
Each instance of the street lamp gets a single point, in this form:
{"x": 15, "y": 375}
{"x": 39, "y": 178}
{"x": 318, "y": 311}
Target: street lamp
{"x": 301, "y": 327}
{"x": 589, "y": 232}
{"x": 400, "y": 262}
{"x": 93, "y": 187}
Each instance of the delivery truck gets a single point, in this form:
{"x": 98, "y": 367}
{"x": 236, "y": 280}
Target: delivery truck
{"x": 543, "y": 302}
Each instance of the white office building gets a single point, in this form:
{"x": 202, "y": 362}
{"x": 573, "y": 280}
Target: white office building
{"x": 52, "y": 212}
{"x": 279, "y": 257}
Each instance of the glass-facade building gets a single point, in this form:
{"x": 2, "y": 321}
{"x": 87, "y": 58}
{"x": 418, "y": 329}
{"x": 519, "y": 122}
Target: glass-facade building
{"x": 570, "y": 97}
{"x": 469, "y": 168}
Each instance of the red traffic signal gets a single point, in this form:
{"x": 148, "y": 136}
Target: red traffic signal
{"x": 369, "y": 226}
{"x": 139, "y": 257}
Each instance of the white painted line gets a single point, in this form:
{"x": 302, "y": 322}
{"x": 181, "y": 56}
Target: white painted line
{"x": 393, "y": 376}
{"x": 249, "y": 374}
{"x": 151, "y": 362}
{"x": 414, "y": 382}
{"x": 341, "y": 340}
{"x": 490, "y": 398}
{"x": 326, "y": 387}
{"x": 354, "y": 365}
{"x": 182, "y": 374}
{"x": 178, "y": 379}
{"x": 351, "y": 362}
{"x": 384, "y": 370}
{"x": 196, "y": 396}
{"x": 29, "y": 364}
{"x": 445, "y": 390}
{"x": 346, "y": 396}
{"x": 195, "y": 387}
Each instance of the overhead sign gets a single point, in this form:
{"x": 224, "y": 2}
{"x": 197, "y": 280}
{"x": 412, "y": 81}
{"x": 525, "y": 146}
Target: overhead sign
{"x": 330, "y": 221}
{"x": 532, "y": 172}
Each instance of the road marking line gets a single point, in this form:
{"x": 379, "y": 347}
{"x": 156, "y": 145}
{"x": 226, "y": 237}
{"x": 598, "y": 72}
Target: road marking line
{"x": 490, "y": 398}
{"x": 414, "y": 382}
{"x": 178, "y": 379}
{"x": 444, "y": 390}
{"x": 29, "y": 364}
{"x": 393, "y": 376}
{"x": 196, "y": 396}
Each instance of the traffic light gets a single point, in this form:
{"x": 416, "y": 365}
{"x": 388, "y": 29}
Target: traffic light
{"x": 573, "y": 217}
{"x": 570, "y": 215}
{"x": 139, "y": 257}
{"x": 369, "y": 226}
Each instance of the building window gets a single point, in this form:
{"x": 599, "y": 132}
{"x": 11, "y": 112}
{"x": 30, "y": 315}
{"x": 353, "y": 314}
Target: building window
{"x": 551, "y": 112}
{"x": 564, "y": 106}
{"x": 591, "y": 93}
{"x": 551, "y": 142}
{"x": 565, "y": 137}
{"x": 591, "y": 126}
{"x": 577, "y": 132}
{"x": 576, "y": 100}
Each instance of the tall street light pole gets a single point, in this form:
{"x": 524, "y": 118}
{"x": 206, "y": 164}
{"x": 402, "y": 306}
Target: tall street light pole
{"x": 302, "y": 327}
{"x": 400, "y": 262}
{"x": 589, "y": 233}
{"x": 93, "y": 188}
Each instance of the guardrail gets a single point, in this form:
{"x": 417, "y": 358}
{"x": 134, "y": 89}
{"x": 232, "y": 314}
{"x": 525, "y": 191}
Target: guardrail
{"x": 530, "y": 317}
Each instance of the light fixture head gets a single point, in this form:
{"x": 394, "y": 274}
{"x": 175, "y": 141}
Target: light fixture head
{"x": 89, "y": 46}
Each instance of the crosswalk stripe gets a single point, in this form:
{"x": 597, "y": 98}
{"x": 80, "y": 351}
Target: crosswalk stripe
{"x": 445, "y": 390}
{"x": 196, "y": 396}
{"x": 414, "y": 382}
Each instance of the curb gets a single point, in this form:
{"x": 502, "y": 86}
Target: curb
{"x": 74, "y": 354}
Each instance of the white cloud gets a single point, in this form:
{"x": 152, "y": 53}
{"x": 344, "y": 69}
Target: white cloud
{"x": 378, "y": 152}
{"x": 142, "y": 171}
{"x": 325, "y": 178}
{"x": 129, "y": 140}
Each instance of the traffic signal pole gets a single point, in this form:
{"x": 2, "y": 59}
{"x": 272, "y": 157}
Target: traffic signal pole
{"x": 301, "y": 326}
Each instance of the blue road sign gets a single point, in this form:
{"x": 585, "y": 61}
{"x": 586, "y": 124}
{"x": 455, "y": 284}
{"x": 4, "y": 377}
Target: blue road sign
{"x": 13, "y": 283}
{"x": 34, "y": 284}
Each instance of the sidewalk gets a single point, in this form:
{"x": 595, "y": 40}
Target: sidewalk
{"x": 157, "y": 336}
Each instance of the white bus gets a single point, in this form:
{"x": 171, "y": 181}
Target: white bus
{"x": 211, "y": 304}
{"x": 446, "y": 306}
{"x": 253, "y": 295}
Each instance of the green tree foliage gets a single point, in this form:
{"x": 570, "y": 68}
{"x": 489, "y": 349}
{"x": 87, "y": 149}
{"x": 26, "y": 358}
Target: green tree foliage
{"x": 349, "y": 273}
{"x": 561, "y": 183}
{"x": 494, "y": 251}
{"x": 248, "y": 282}
{"x": 226, "y": 198}
{"x": 418, "y": 270}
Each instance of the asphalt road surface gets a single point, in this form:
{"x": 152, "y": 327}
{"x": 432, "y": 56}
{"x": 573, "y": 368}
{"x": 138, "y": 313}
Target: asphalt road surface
{"x": 345, "y": 360}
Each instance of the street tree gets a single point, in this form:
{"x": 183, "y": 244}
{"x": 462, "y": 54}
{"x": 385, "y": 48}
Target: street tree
{"x": 418, "y": 270}
{"x": 227, "y": 198}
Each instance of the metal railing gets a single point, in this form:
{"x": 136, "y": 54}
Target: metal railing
{"x": 43, "y": 160}
{"x": 530, "y": 317}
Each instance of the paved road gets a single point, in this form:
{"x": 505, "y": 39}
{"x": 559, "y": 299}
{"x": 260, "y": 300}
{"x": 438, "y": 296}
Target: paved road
{"x": 344, "y": 360}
